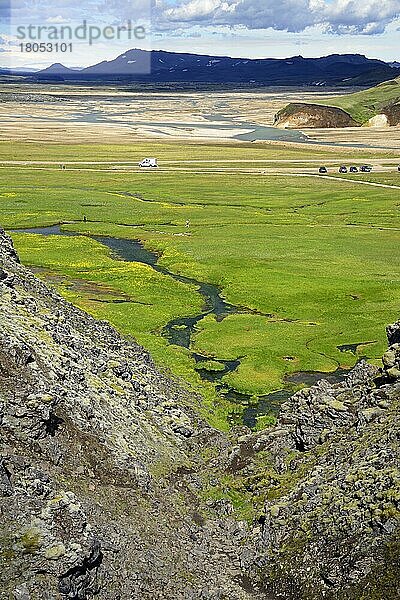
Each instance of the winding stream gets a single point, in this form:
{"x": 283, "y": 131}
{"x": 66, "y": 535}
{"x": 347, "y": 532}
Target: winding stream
{"x": 179, "y": 331}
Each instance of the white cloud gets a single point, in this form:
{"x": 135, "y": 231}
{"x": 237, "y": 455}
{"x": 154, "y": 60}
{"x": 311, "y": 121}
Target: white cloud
{"x": 338, "y": 16}
{"x": 194, "y": 10}
{"x": 368, "y": 16}
{"x": 57, "y": 19}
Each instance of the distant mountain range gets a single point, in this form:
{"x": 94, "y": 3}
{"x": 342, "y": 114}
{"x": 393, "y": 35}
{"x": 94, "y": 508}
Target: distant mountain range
{"x": 59, "y": 69}
{"x": 169, "y": 67}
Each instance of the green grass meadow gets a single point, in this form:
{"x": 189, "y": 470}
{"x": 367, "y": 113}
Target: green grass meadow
{"x": 318, "y": 258}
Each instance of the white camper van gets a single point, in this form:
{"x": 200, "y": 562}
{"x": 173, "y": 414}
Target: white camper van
{"x": 148, "y": 162}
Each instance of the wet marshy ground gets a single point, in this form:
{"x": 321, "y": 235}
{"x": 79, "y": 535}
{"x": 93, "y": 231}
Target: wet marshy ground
{"x": 180, "y": 332}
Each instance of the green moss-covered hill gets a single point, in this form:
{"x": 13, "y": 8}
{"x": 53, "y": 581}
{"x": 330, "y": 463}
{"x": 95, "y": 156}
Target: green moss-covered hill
{"x": 359, "y": 106}
{"x": 368, "y": 103}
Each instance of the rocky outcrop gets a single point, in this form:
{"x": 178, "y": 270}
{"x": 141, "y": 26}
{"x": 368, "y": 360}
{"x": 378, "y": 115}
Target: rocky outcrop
{"x": 301, "y": 115}
{"x": 378, "y": 121}
{"x": 331, "y": 477}
{"x": 389, "y": 117}
{"x": 343, "y": 517}
{"x": 392, "y": 113}
{"x": 100, "y": 462}
{"x": 112, "y": 486}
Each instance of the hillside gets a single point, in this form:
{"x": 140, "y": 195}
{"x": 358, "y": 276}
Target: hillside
{"x": 369, "y": 78}
{"x": 56, "y": 68}
{"x": 111, "y": 486}
{"x": 297, "y": 115}
{"x": 367, "y": 103}
{"x": 98, "y": 455}
{"x": 359, "y": 107}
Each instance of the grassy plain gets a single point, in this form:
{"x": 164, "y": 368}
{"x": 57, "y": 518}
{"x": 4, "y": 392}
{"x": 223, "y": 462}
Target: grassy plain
{"x": 173, "y": 151}
{"x": 318, "y": 257}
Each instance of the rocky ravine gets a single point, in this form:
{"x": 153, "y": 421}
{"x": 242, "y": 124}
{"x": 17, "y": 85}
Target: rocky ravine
{"x": 111, "y": 486}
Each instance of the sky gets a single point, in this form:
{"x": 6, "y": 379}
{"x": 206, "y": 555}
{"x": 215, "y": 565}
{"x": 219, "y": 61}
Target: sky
{"x": 240, "y": 28}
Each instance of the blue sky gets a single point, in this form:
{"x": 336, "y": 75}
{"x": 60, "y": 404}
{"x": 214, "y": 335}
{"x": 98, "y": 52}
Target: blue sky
{"x": 246, "y": 28}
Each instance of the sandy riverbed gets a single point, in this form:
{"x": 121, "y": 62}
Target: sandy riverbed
{"x": 120, "y": 115}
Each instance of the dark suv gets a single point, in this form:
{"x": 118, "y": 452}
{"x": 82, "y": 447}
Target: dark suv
{"x": 366, "y": 169}
{"x": 342, "y": 169}
{"x": 322, "y": 170}
{"x": 353, "y": 170}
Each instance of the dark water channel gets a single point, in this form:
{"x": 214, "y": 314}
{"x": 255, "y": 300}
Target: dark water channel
{"x": 179, "y": 331}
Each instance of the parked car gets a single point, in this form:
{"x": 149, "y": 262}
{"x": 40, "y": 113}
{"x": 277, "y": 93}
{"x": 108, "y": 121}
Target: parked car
{"x": 366, "y": 168}
{"x": 342, "y": 169}
{"x": 398, "y": 168}
{"x": 322, "y": 170}
{"x": 353, "y": 170}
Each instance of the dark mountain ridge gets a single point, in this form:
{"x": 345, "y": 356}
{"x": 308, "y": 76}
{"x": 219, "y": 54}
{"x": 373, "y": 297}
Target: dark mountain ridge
{"x": 163, "y": 67}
